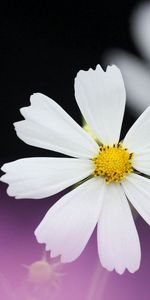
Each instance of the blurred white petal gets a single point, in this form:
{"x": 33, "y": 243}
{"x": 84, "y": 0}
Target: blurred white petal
{"x": 140, "y": 28}
{"x": 136, "y": 75}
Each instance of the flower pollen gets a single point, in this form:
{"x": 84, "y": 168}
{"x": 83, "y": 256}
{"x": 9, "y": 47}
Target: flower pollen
{"x": 113, "y": 163}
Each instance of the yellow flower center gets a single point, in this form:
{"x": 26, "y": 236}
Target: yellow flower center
{"x": 113, "y": 163}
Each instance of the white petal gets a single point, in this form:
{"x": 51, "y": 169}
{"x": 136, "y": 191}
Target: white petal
{"x": 118, "y": 241}
{"x": 42, "y": 177}
{"x": 136, "y": 74}
{"x": 141, "y": 161}
{"x": 140, "y": 28}
{"x": 68, "y": 225}
{"x": 137, "y": 189}
{"x": 138, "y": 138}
{"x": 48, "y": 126}
{"x": 101, "y": 99}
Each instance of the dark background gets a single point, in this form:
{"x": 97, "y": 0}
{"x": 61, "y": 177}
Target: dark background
{"x": 42, "y": 47}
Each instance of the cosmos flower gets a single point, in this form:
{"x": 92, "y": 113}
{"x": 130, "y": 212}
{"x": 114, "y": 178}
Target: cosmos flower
{"x": 136, "y": 70}
{"x": 109, "y": 171}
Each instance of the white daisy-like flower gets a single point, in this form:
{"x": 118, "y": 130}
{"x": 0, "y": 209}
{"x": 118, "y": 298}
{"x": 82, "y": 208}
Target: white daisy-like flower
{"x": 108, "y": 172}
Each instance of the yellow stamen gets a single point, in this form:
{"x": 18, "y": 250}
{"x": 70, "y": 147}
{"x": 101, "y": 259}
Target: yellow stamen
{"x": 113, "y": 162}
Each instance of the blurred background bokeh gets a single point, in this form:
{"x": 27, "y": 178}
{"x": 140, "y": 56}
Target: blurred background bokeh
{"x": 42, "y": 47}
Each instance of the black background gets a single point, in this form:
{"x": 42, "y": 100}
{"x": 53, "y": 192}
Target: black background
{"x": 42, "y": 47}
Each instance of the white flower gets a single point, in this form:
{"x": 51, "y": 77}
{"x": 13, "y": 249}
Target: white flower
{"x": 136, "y": 71}
{"x": 111, "y": 171}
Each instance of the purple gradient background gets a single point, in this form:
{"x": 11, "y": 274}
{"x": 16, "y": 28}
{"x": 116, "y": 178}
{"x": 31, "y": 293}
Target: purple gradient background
{"x": 83, "y": 279}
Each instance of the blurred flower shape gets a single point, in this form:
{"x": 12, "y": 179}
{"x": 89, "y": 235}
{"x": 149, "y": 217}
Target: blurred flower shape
{"x": 110, "y": 172}
{"x": 136, "y": 72}
{"x": 43, "y": 272}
